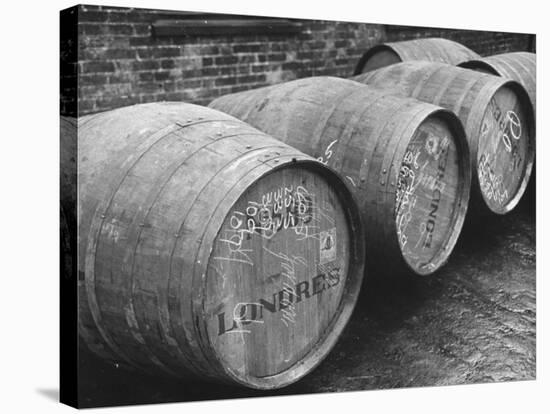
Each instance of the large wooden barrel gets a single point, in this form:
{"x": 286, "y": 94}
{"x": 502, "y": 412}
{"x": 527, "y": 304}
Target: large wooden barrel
{"x": 67, "y": 255}
{"x": 67, "y": 192}
{"x": 428, "y": 49}
{"x": 207, "y": 248}
{"x": 407, "y": 161}
{"x": 497, "y": 115}
{"x": 519, "y": 66}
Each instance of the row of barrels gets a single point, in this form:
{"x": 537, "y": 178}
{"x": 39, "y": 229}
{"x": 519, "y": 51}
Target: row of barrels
{"x": 229, "y": 243}
{"x": 517, "y": 66}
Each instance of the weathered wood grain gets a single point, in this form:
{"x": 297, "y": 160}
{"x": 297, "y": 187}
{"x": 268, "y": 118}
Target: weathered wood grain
{"x": 497, "y": 115}
{"x": 207, "y": 248}
{"x": 427, "y": 49}
{"x": 407, "y": 161}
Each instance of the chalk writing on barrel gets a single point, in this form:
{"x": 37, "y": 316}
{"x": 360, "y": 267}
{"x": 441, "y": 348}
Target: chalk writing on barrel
{"x": 491, "y": 183}
{"x": 508, "y": 124}
{"x": 411, "y": 175}
{"x": 283, "y": 208}
{"x": 328, "y": 153}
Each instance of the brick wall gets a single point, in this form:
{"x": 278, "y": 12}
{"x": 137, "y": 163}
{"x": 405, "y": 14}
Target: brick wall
{"x": 121, "y": 62}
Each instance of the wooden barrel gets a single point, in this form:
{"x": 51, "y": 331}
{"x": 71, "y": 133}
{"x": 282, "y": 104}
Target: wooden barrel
{"x": 407, "y": 161}
{"x": 428, "y": 49}
{"x": 519, "y": 66}
{"x": 497, "y": 115}
{"x": 68, "y": 303}
{"x": 207, "y": 248}
{"x": 67, "y": 191}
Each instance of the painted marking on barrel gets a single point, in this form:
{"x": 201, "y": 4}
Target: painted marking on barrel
{"x": 327, "y": 246}
{"x": 502, "y": 127}
{"x": 508, "y": 124}
{"x": 288, "y": 266}
{"x": 328, "y": 153}
{"x": 282, "y": 300}
{"x": 351, "y": 180}
{"x": 428, "y": 227}
{"x": 491, "y": 184}
{"x": 411, "y": 175}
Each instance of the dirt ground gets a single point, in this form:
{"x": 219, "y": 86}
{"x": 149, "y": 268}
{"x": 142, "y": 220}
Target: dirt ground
{"x": 472, "y": 322}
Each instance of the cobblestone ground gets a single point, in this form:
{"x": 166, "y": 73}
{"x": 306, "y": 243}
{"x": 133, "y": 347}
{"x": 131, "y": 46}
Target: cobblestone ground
{"x": 472, "y": 322}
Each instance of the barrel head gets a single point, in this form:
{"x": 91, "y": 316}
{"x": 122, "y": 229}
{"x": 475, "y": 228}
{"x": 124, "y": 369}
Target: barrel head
{"x": 276, "y": 276}
{"x": 380, "y": 58}
{"x": 505, "y": 153}
{"x": 428, "y": 196}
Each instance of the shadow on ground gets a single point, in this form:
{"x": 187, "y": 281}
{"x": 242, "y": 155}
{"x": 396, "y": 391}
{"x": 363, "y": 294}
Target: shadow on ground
{"x": 49, "y": 393}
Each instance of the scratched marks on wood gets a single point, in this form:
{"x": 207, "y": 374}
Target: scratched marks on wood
{"x": 280, "y": 209}
{"x": 326, "y": 159}
{"x": 427, "y": 193}
{"x": 273, "y": 287}
{"x": 503, "y": 149}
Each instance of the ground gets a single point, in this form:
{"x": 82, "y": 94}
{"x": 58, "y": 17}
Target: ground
{"x": 471, "y": 322}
